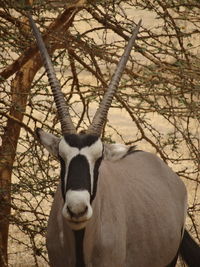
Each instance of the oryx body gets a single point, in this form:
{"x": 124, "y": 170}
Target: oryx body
{"x": 115, "y": 206}
{"x": 138, "y": 217}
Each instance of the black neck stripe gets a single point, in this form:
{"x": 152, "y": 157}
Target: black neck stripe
{"x": 79, "y": 237}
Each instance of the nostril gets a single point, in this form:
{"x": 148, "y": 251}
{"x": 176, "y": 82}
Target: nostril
{"x": 70, "y": 212}
{"x": 78, "y": 213}
{"x": 85, "y": 211}
{"x": 86, "y": 208}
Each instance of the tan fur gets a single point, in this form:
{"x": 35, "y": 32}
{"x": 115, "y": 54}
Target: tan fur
{"x": 138, "y": 214}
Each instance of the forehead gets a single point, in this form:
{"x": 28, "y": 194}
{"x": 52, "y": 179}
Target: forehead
{"x": 80, "y": 141}
{"x": 80, "y": 144}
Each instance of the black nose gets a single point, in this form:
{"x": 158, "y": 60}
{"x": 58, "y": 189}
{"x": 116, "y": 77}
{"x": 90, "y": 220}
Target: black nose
{"x": 77, "y": 214}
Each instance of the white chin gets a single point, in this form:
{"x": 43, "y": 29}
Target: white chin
{"x": 77, "y": 225}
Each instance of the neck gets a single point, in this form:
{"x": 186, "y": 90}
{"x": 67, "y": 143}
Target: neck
{"x": 84, "y": 238}
{"x": 79, "y": 237}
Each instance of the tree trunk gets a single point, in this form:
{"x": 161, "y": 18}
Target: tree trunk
{"x": 20, "y": 89}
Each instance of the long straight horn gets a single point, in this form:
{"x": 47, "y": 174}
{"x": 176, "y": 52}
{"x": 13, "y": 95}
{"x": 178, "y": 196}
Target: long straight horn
{"x": 99, "y": 118}
{"x": 62, "y": 109}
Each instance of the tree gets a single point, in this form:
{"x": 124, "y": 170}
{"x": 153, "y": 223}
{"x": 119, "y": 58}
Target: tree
{"x": 159, "y": 97}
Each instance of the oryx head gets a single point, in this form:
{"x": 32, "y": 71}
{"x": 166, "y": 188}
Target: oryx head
{"x": 80, "y": 155}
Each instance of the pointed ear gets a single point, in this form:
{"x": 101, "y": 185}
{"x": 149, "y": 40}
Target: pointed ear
{"x": 49, "y": 141}
{"x": 115, "y": 152}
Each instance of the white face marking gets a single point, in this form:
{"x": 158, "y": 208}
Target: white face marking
{"x": 92, "y": 153}
{"x": 77, "y": 209}
{"x": 67, "y": 153}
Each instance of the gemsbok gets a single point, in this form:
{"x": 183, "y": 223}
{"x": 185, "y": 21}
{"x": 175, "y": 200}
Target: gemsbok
{"x": 115, "y": 206}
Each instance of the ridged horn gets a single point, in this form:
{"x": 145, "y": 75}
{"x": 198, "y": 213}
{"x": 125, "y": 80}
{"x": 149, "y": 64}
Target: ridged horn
{"x": 62, "y": 108}
{"x": 100, "y": 116}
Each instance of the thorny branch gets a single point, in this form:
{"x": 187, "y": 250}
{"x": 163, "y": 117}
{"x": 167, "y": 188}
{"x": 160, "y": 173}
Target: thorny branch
{"x": 157, "y": 100}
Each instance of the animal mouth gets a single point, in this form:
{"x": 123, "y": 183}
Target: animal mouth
{"x": 77, "y": 222}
